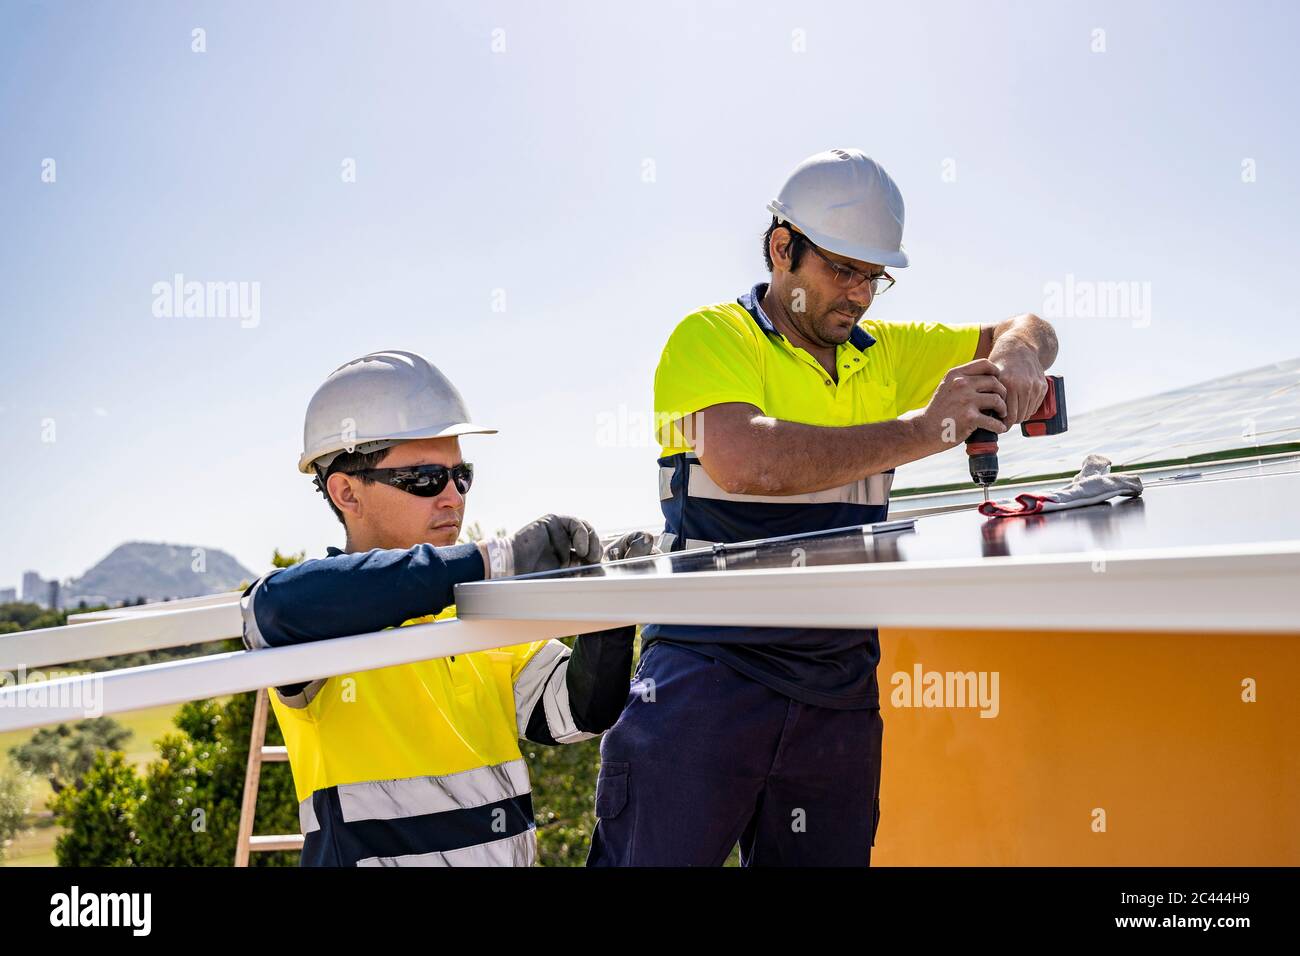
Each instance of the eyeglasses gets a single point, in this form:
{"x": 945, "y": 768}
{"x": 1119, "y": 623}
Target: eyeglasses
{"x": 845, "y": 277}
{"x": 423, "y": 481}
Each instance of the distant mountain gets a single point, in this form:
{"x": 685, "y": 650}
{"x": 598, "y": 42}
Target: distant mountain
{"x": 155, "y": 572}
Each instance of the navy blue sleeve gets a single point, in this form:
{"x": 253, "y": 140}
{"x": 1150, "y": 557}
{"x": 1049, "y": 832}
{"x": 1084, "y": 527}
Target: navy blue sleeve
{"x": 358, "y": 593}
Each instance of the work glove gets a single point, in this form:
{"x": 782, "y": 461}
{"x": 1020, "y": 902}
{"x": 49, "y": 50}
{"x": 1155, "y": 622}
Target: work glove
{"x": 547, "y": 544}
{"x": 1094, "y": 483}
{"x": 634, "y": 544}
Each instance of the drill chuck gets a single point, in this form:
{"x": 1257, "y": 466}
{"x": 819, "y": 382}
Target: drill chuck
{"x": 982, "y": 449}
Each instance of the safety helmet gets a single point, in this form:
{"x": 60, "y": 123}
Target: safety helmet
{"x": 377, "y": 401}
{"x": 845, "y": 202}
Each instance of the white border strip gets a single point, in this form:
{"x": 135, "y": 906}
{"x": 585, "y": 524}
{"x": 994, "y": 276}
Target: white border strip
{"x": 127, "y": 634}
{"x": 180, "y": 604}
{"x": 110, "y": 692}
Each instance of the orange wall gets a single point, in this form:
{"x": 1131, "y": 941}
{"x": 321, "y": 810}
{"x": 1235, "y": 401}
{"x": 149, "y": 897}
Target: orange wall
{"x": 1149, "y": 727}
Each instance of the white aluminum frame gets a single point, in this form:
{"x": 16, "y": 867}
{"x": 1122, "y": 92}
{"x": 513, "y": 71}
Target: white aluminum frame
{"x": 1240, "y": 588}
{"x": 134, "y": 688}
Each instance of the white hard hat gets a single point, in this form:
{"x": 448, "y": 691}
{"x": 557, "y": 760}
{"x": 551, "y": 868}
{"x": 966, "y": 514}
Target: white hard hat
{"x": 378, "y": 400}
{"x": 845, "y": 202}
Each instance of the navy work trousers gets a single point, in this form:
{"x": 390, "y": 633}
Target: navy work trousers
{"x": 703, "y": 757}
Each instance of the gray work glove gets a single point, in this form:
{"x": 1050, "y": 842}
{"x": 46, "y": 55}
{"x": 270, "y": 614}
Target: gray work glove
{"x": 634, "y": 544}
{"x": 547, "y": 544}
{"x": 1093, "y": 484}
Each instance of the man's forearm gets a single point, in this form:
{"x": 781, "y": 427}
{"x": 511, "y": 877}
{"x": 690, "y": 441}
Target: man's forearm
{"x": 791, "y": 458}
{"x": 1026, "y": 331}
{"x": 1022, "y": 349}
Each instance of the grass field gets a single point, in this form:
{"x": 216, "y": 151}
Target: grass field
{"x": 35, "y": 846}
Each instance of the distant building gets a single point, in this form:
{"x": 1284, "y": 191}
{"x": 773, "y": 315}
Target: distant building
{"x": 8, "y": 595}
{"x": 35, "y": 589}
{"x": 54, "y": 595}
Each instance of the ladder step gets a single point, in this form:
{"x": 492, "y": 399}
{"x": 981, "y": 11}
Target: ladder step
{"x": 288, "y": 841}
{"x": 259, "y": 753}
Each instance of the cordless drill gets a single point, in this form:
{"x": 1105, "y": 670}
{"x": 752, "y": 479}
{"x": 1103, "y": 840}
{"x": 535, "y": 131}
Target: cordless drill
{"x": 982, "y": 445}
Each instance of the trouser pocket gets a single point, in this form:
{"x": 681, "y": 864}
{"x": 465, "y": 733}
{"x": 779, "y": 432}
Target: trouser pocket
{"x": 611, "y": 789}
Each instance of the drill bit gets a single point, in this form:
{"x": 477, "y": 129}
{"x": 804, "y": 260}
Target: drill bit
{"x": 986, "y": 493}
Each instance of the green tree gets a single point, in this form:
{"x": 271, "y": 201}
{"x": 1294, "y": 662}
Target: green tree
{"x": 64, "y": 754}
{"x": 279, "y": 560}
{"x": 15, "y": 803}
{"x": 98, "y": 817}
{"x": 194, "y": 790}
{"x": 474, "y": 532}
{"x": 21, "y": 616}
{"x": 184, "y": 811}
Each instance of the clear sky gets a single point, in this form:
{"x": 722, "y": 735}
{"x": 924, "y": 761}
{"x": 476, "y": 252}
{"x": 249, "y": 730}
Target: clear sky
{"x": 606, "y": 167}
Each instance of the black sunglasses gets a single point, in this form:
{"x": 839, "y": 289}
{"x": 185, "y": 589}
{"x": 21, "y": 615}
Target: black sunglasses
{"x": 424, "y": 481}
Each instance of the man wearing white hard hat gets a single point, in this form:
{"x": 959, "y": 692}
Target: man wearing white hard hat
{"x": 419, "y": 764}
{"x": 790, "y": 408}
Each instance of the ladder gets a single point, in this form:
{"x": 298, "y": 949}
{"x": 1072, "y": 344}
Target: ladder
{"x": 259, "y": 753}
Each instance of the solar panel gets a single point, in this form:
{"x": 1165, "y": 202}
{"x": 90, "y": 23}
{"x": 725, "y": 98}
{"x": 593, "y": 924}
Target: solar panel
{"x": 1244, "y": 410}
{"x": 1245, "y": 505}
